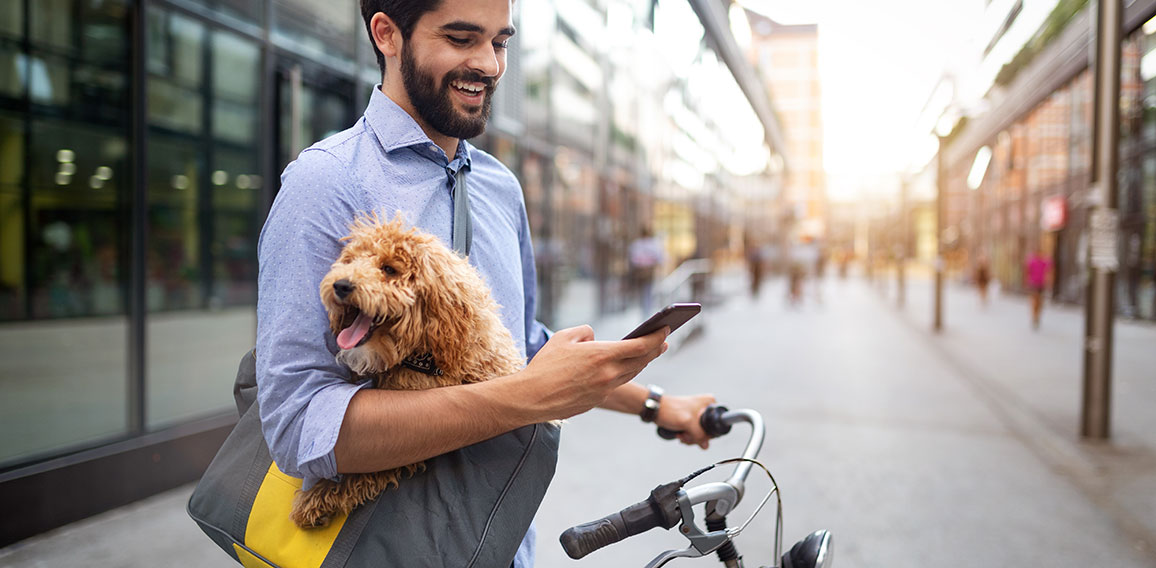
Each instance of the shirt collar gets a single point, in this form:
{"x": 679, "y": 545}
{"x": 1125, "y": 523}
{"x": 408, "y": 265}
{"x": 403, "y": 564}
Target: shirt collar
{"x": 396, "y": 129}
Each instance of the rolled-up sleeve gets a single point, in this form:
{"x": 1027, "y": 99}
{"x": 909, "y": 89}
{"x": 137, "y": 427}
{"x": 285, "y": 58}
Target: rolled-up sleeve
{"x": 302, "y": 390}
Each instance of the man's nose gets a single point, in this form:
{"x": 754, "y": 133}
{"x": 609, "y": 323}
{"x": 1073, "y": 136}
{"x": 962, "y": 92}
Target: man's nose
{"x": 487, "y": 61}
{"x": 343, "y": 288}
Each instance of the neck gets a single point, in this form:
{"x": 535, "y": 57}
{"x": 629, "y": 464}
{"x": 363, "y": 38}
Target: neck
{"x": 396, "y": 93}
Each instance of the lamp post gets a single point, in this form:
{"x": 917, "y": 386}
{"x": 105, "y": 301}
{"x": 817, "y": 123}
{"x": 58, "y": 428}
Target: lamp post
{"x": 1103, "y": 228}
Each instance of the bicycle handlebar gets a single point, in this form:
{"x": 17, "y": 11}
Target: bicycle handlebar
{"x": 711, "y": 421}
{"x": 661, "y": 508}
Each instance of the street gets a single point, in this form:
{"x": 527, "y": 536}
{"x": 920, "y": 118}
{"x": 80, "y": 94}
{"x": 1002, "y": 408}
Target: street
{"x": 877, "y": 433}
{"x": 914, "y": 450}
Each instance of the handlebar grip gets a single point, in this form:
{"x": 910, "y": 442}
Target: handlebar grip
{"x": 583, "y": 539}
{"x": 710, "y": 420}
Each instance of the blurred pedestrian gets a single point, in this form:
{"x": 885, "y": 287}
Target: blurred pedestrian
{"x": 804, "y": 261}
{"x": 1036, "y": 274}
{"x": 754, "y": 257}
{"x": 982, "y": 278}
{"x": 645, "y": 256}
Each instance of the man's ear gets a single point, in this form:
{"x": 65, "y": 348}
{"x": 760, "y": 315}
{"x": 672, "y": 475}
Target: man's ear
{"x": 386, "y": 35}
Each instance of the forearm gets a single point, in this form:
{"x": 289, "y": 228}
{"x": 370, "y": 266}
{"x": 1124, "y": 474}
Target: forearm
{"x": 385, "y": 429}
{"x": 627, "y": 398}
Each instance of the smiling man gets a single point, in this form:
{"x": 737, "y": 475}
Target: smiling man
{"x": 441, "y": 62}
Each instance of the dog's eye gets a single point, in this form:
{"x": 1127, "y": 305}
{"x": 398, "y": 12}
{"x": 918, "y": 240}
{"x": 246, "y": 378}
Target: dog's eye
{"x": 388, "y": 270}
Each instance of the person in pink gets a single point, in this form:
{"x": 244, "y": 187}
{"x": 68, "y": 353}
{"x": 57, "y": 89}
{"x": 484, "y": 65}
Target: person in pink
{"x": 1036, "y": 274}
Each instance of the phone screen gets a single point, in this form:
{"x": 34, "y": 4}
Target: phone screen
{"x": 673, "y": 315}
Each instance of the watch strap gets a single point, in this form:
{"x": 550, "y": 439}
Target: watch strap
{"x": 650, "y": 405}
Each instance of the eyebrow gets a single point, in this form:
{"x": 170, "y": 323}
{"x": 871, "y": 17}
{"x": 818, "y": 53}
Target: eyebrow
{"x": 462, "y": 26}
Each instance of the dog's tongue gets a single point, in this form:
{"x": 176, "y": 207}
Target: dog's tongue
{"x": 352, "y": 335}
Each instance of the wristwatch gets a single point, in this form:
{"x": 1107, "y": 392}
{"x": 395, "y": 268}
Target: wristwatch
{"x": 650, "y": 406}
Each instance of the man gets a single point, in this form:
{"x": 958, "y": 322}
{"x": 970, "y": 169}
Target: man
{"x": 440, "y": 64}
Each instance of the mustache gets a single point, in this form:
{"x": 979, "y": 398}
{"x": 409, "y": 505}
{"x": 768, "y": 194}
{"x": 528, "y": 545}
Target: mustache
{"x": 470, "y": 77}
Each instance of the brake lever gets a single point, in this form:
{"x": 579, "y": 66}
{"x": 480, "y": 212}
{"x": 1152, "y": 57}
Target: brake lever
{"x": 701, "y": 543}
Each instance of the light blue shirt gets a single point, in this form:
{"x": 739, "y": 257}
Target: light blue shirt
{"x": 385, "y": 164}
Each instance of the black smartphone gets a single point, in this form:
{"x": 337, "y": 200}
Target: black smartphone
{"x": 673, "y": 315}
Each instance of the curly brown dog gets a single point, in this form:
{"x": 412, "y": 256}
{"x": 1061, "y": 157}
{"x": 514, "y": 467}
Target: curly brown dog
{"x": 411, "y": 314}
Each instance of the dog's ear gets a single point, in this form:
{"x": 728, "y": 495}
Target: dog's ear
{"x": 450, "y": 289}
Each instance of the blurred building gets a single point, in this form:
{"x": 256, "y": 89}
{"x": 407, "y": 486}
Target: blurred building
{"x": 141, "y": 145}
{"x": 787, "y": 57}
{"x": 1017, "y": 165}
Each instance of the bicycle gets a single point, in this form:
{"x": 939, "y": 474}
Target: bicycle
{"x": 671, "y": 503}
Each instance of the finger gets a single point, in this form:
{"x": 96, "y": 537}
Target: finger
{"x": 576, "y": 334}
{"x": 639, "y": 345}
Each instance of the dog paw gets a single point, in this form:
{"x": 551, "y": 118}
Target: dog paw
{"x": 309, "y": 519}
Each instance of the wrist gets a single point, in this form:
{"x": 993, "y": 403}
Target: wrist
{"x": 652, "y": 404}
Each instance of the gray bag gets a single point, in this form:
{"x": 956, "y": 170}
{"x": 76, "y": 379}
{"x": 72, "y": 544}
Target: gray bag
{"x": 469, "y": 508}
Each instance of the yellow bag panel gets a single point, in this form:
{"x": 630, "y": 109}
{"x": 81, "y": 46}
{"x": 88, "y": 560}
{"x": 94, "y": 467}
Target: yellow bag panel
{"x": 274, "y": 536}
{"x": 248, "y": 560}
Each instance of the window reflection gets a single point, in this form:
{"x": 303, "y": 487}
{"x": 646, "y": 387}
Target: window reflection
{"x": 203, "y": 195}
{"x": 236, "y": 67}
{"x": 78, "y": 191}
{"x": 174, "y": 63}
{"x": 11, "y": 19}
{"x": 327, "y": 29}
{"x": 12, "y": 261}
{"x": 246, "y": 11}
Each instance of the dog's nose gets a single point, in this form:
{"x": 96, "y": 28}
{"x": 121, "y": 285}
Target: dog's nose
{"x": 343, "y": 288}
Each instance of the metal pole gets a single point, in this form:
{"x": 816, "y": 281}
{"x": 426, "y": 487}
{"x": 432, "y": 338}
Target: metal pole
{"x": 937, "y": 312}
{"x": 1103, "y": 220}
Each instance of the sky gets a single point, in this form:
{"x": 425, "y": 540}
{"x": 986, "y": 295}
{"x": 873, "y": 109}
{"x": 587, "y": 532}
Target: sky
{"x": 878, "y": 63}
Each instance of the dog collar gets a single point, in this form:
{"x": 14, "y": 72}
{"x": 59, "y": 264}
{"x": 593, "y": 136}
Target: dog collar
{"x": 423, "y": 363}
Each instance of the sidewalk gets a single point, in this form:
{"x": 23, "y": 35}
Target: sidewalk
{"x": 915, "y": 450}
{"x": 1035, "y": 379}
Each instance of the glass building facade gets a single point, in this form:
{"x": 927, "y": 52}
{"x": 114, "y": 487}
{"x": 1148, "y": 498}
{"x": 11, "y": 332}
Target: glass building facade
{"x": 140, "y": 147}
{"x": 1033, "y": 194}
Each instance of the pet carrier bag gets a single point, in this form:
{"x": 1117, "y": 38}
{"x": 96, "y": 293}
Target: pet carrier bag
{"x": 470, "y": 508}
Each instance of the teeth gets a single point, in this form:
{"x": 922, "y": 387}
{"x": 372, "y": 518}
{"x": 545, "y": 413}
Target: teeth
{"x": 467, "y": 87}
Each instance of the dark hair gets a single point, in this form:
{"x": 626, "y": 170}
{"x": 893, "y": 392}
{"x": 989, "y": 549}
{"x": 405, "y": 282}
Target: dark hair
{"x": 404, "y": 13}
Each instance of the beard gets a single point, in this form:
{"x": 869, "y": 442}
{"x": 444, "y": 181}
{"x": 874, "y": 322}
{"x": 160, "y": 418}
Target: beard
{"x": 434, "y": 105}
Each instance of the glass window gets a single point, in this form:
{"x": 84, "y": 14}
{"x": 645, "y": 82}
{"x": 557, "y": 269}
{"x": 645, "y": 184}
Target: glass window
{"x": 236, "y": 69}
{"x": 64, "y": 370}
{"x": 204, "y": 196}
{"x": 326, "y": 29}
{"x": 12, "y": 72}
{"x": 12, "y": 262}
{"x": 89, "y": 30}
{"x": 79, "y": 185}
{"x": 242, "y": 10}
{"x": 175, "y": 66}
{"x": 12, "y": 19}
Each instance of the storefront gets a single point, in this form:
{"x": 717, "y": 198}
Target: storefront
{"x": 1033, "y": 194}
{"x": 140, "y": 147}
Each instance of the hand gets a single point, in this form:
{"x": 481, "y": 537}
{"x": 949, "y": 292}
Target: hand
{"x": 572, "y": 373}
{"x": 681, "y": 414}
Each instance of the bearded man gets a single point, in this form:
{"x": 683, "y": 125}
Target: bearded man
{"x": 440, "y": 61}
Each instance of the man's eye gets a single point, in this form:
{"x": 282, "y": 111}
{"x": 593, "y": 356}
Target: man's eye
{"x": 388, "y": 270}
{"x": 502, "y": 44}
{"x": 459, "y": 40}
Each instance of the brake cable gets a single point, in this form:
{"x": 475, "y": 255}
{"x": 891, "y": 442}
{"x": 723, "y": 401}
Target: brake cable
{"x": 734, "y": 532}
